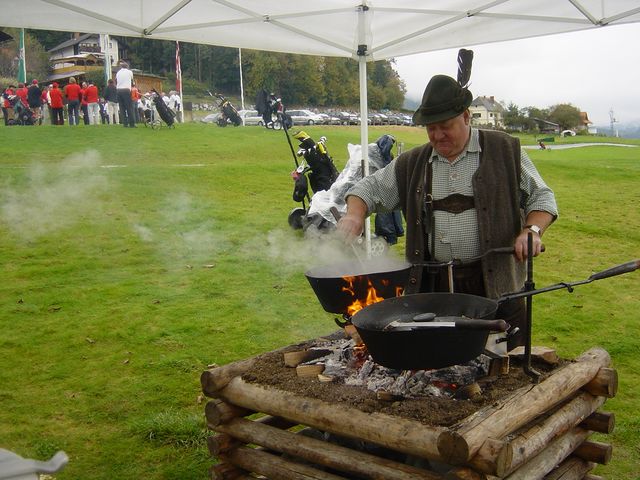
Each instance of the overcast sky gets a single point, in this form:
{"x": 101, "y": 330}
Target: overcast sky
{"x": 596, "y": 71}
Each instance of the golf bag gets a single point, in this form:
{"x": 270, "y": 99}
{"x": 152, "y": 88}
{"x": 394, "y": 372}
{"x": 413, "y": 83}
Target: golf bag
{"x": 316, "y": 170}
{"x": 163, "y": 110}
{"x": 22, "y": 115}
{"x": 272, "y": 111}
{"x": 228, "y": 112}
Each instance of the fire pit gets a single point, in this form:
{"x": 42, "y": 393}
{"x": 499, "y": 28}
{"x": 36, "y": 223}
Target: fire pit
{"x": 527, "y": 430}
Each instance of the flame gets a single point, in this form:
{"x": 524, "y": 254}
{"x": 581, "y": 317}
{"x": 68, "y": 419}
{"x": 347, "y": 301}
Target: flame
{"x": 371, "y": 297}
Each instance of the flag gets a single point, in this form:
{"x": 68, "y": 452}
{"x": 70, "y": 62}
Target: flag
{"x": 178, "y": 69}
{"x": 22, "y": 66}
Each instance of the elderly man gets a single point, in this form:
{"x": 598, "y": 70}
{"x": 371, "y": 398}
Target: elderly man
{"x": 465, "y": 192}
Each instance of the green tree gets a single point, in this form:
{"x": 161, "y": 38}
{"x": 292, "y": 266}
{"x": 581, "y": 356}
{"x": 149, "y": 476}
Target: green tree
{"x": 565, "y": 115}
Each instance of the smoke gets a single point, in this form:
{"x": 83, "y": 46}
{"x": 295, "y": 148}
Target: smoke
{"x": 183, "y": 231}
{"x": 292, "y": 253}
{"x": 53, "y": 197}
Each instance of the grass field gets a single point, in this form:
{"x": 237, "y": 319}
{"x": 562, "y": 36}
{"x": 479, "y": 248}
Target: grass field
{"x": 132, "y": 259}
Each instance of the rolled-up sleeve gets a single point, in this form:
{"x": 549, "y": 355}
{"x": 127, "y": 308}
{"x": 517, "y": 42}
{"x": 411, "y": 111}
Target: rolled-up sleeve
{"x": 379, "y": 191}
{"x": 536, "y": 194}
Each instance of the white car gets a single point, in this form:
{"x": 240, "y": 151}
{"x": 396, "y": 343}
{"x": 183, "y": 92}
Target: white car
{"x": 305, "y": 117}
{"x": 251, "y": 117}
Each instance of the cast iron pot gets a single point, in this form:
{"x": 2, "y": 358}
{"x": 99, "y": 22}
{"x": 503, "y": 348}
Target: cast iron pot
{"x": 336, "y": 294}
{"x": 419, "y": 348}
{"x": 408, "y": 348}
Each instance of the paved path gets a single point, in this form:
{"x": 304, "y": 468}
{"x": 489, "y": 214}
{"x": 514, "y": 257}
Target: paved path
{"x": 561, "y": 146}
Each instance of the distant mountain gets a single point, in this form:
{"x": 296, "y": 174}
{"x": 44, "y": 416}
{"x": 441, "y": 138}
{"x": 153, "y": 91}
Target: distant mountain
{"x": 629, "y": 129}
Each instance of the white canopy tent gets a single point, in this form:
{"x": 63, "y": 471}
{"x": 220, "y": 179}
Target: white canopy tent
{"x": 365, "y": 30}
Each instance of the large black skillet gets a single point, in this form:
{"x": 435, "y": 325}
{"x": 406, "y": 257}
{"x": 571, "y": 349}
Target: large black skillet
{"x": 412, "y": 348}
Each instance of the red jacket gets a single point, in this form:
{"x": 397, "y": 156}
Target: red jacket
{"x": 8, "y": 92}
{"x": 91, "y": 94}
{"x": 22, "y": 93}
{"x": 72, "y": 91}
{"x": 55, "y": 94}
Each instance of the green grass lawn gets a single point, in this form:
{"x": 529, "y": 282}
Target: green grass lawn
{"x": 132, "y": 259}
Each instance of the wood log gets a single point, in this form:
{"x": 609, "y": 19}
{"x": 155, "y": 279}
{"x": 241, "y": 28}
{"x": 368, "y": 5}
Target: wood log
{"x": 571, "y": 469}
{"x": 226, "y": 471}
{"x": 276, "y": 422}
{"x": 217, "y": 412}
{"x": 462, "y": 473}
{"x": 221, "y": 443}
{"x": 601, "y": 422}
{"x": 214, "y": 379}
{"x": 460, "y": 443}
{"x": 604, "y": 384}
{"x": 503, "y": 457}
{"x": 293, "y": 359}
{"x": 353, "y": 333}
{"x": 499, "y": 366}
{"x": 544, "y": 354}
{"x": 309, "y": 370}
{"x": 555, "y": 453}
{"x": 319, "y": 452}
{"x": 596, "y": 452}
{"x": 275, "y": 467}
{"x": 396, "y": 433}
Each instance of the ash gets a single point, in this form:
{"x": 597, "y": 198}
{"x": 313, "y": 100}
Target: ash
{"x": 346, "y": 364}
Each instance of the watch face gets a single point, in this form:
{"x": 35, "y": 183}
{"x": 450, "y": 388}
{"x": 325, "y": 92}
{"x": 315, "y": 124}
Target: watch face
{"x": 534, "y": 228}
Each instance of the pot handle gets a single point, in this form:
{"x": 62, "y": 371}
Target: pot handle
{"x": 617, "y": 270}
{"x": 478, "y": 324}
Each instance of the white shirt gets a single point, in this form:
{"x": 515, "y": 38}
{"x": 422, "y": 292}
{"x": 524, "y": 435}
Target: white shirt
{"x": 124, "y": 78}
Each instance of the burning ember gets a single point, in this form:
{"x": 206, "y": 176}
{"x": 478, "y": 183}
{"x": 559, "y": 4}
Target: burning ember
{"x": 349, "y": 363}
{"x": 371, "y": 297}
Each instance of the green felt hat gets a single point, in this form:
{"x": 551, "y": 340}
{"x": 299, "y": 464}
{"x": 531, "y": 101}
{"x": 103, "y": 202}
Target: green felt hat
{"x": 443, "y": 99}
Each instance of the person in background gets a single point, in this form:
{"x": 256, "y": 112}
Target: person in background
{"x": 7, "y": 108}
{"x": 124, "y": 82}
{"x": 84, "y": 106}
{"x": 175, "y": 105}
{"x": 73, "y": 93}
{"x": 464, "y": 193}
{"x": 45, "y": 108}
{"x": 22, "y": 94}
{"x": 135, "y": 99}
{"x": 111, "y": 97}
{"x": 93, "y": 109}
{"x": 34, "y": 98}
{"x": 57, "y": 105}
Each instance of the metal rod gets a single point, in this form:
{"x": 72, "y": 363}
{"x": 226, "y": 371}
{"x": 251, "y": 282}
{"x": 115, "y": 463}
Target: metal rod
{"x": 529, "y": 286}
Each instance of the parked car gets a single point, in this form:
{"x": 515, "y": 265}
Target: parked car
{"x": 329, "y": 119}
{"x": 211, "y": 118}
{"x": 251, "y": 117}
{"x": 304, "y": 117}
{"x": 347, "y": 118}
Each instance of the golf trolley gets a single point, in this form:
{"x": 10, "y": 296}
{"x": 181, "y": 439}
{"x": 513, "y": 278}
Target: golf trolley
{"x": 228, "y": 113}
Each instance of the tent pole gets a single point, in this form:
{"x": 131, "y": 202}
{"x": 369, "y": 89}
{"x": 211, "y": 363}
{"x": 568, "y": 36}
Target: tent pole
{"x": 364, "y": 137}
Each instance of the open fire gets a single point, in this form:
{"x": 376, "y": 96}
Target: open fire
{"x": 372, "y": 296}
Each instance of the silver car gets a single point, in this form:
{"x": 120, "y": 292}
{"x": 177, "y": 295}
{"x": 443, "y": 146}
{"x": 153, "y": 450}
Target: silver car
{"x": 305, "y": 117}
{"x": 251, "y": 117}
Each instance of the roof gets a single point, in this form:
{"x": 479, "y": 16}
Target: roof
{"x": 73, "y": 41}
{"x": 489, "y": 103}
{"x": 584, "y": 118}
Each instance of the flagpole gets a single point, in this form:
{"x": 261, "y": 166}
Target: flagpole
{"x": 22, "y": 63}
{"x": 179, "y": 82}
{"x": 241, "y": 82}
{"x": 107, "y": 57}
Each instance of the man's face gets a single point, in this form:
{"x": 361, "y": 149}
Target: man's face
{"x": 450, "y": 136}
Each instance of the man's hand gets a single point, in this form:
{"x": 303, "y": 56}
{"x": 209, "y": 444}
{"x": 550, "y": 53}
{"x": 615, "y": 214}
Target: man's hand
{"x": 521, "y": 245}
{"x": 537, "y": 222}
{"x": 351, "y": 225}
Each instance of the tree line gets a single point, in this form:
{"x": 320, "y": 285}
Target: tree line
{"x": 297, "y": 79}
{"x": 524, "y": 119}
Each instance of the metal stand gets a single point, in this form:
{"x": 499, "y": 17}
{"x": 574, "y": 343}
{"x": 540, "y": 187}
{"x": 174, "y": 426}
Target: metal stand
{"x": 529, "y": 286}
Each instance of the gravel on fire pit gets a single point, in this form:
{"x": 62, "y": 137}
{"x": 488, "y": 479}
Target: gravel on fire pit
{"x": 269, "y": 370}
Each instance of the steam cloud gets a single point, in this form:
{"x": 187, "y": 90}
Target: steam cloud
{"x": 53, "y": 197}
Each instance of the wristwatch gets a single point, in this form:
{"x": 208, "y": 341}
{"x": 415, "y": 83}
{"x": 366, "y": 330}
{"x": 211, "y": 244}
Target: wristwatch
{"x": 534, "y": 229}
